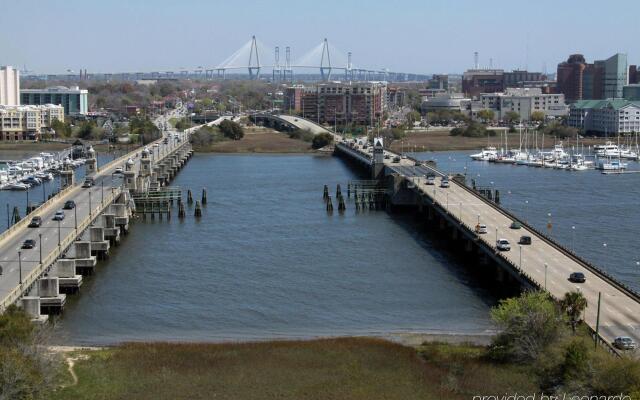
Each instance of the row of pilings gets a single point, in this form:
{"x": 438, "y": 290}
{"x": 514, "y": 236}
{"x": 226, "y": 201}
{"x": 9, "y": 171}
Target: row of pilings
{"x": 366, "y": 195}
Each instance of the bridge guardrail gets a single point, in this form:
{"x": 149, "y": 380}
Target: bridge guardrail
{"x": 15, "y": 294}
{"x": 516, "y": 268}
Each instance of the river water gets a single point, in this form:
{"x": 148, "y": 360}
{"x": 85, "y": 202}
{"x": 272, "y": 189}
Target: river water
{"x": 597, "y": 215}
{"x": 265, "y": 261}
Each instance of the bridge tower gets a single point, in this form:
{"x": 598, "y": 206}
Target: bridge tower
{"x": 277, "y": 69}
{"x": 66, "y": 177}
{"x": 145, "y": 163}
{"x": 348, "y": 72}
{"x": 325, "y": 61}
{"x": 91, "y": 163}
{"x": 254, "y": 70}
{"x": 288, "y": 70}
{"x": 378, "y": 157}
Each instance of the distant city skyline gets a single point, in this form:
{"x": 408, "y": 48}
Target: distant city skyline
{"x": 406, "y": 36}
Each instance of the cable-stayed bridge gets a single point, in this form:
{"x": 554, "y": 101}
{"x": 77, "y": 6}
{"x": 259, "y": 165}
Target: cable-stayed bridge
{"x": 258, "y": 59}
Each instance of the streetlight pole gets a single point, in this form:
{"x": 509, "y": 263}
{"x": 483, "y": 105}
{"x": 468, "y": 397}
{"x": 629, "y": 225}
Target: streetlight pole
{"x": 75, "y": 217}
{"x": 90, "y": 209}
{"x": 545, "y": 276}
{"x": 597, "y": 321}
{"x": 102, "y": 192}
{"x": 40, "y": 236}
{"x": 573, "y": 239}
{"x": 58, "y": 233}
{"x": 20, "y": 266}
{"x": 520, "y": 246}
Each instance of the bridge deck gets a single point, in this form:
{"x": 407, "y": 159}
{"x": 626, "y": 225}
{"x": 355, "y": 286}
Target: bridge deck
{"x": 620, "y": 309}
{"x": 106, "y": 188}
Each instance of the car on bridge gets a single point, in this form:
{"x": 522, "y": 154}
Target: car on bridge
{"x": 69, "y": 205}
{"x": 35, "y": 222}
{"x": 88, "y": 182}
{"x": 59, "y": 215}
{"x": 444, "y": 182}
{"x": 29, "y": 244}
{"x": 431, "y": 180}
{"x": 396, "y": 159}
{"x": 481, "y": 228}
{"x": 503, "y": 245}
{"x": 577, "y": 277}
{"x": 515, "y": 225}
{"x": 118, "y": 171}
{"x": 624, "y": 343}
{"x": 525, "y": 240}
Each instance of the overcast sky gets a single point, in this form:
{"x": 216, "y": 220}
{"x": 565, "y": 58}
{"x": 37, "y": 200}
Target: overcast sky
{"x": 424, "y": 36}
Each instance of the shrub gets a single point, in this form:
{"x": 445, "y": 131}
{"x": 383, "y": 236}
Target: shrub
{"x": 231, "y": 130}
{"x": 322, "y": 139}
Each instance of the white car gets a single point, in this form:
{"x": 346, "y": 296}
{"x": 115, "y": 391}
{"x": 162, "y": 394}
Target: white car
{"x": 481, "y": 228}
{"x": 431, "y": 180}
{"x": 624, "y": 343}
{"x": 503, "y": 245}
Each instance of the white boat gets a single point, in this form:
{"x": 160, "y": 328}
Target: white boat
{"x": 485, "y": 155}
{"x": 611, "y": 165}
{"x": 44, "y": 176}
{"x": 16, "y": 186}
{"x": 578, "y": 167}
{"x": 609, "y": 149}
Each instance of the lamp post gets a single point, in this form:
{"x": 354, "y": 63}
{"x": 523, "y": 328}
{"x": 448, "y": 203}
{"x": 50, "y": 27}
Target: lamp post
{"x": 549, "y": 223}
{"x": 545, "y": 276}
{"x": 75, "y": 217}
{"x": 58, "y": 233}
{"x": 573, "y": 239}
{"x": 520, "y": 246}
{"x": 102, "y": 192}
{"x": 90, "y": 207}
{"x": 40, "y": 237}
{"x": 20, "y": 266}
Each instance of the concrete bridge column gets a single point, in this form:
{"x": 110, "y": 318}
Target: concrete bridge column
{"x": 51, "y": 300}
{"x": 67, "y": 177}
{"x": 121, "y": 216}
{"x": 68, "y": 280}
{"x": 99, "y": 246}
{"x": 111, "y": 232}
{"x": 130, "y": 180}
{"x": 31, "y": 305}
{"x": 85, "y": 262}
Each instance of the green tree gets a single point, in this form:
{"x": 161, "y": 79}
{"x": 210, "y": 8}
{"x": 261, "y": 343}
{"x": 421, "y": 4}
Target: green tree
{"x": 321, "y": 139}
{"x": 574, "y": 303}
{"x": 231, "y": 130}
{"x": 537, "y": 116}
{"x": 62, "y": 129}
{"x": 511, "y": 116}
{"x": 528, "y": 324}
{"x": 486, "y": 115}
{"x": 144, "y": 128}
{"x": 412, "y": 117}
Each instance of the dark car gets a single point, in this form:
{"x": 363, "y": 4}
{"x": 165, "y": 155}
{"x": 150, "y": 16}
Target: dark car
{"x": 69, "y": 205}
{"x": 515, "y": 225}
{"x": 88, "y": 182}
{"x": 577, "y": 277}
{"x": 525, "y": 240}
{"x": 29, "y": 244}
{"x": 35, "y": 222}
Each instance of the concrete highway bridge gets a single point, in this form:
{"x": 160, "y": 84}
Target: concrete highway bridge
{"x": 39, "y": 278}
{"x": 457, "y": 209}
{"x": 289, "y": 122}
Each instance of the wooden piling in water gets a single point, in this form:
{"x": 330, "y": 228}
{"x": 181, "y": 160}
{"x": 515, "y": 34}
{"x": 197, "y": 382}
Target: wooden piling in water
{"x": 189, "y": 197}
{"x": 338, "y": 191}
{"x": 349, "y": 190}
{"x": 204, "y": 196}
{"x": 325, "y": 194}
{"x": 198, "y": 211}
{"x": 329, "y": 205}
{"x": 181, "y": 211}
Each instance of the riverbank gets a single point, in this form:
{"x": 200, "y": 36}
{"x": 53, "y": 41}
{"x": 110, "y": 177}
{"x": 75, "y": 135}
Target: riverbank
{"x": 258, "y": 142}
{"x": 443, "y": 141}
{"x": 344, "y": 368}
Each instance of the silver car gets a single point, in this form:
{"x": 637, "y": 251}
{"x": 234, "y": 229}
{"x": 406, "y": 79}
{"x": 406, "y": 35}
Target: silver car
{"x": 624, "y": 343}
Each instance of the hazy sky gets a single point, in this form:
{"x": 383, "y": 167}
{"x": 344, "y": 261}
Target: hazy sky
{"x": 426, "y": 36}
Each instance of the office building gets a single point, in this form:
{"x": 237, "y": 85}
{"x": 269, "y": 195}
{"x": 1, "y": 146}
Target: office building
{"x": 9, "y": 86}
{"x": 631, "y": 92}
{"x": 611, "y": 116}
{"x": 28, "y": 122}
{"x": 74, "y": 100}
{"x": 476, "y": 81}
{"x": 518, "y": 78}
{"x": 634, "y": 75}
{"x": 523, "y": 101}
{"x": 444, "y": 102}
{"x": 579, "y": 80}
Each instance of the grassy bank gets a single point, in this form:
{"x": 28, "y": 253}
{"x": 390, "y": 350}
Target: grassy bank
{"x": 442, "y": 141}
{"x": 347, "y": 368}
{"x": 258, "y": 142}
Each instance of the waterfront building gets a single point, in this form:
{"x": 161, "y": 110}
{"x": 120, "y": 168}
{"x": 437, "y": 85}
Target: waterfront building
{"x": 611, "y": 116}
{"x": 28, "y": 122}
{"x": 9, "y": 86}
{"x": 74, "y": 100}
{"x": 444, "y": 101}
{"x": 476, "y": 81}
{"x": 523, "y": 101}
{"x": 361, "y": 103}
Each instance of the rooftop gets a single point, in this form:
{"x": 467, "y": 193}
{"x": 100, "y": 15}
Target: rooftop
{"x": 616, "y": 104}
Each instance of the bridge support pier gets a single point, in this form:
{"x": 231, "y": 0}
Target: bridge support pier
{"x": 68, "y": 280}
{"x": 31, "y": 305}
{"x": 51, "y": 300}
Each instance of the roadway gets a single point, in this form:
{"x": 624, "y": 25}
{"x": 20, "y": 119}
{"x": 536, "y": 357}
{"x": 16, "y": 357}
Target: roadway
{"x": 544, "y": 263}
{"x": 85, "y": 199}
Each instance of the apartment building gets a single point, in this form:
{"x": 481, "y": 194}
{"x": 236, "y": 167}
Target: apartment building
{"x": 28, "y": 122}
{"x": 9, "y": 86}
{"x": 523, "y": 101}
{"x": 74, "y": 100}
{"x": 611, "y": 116}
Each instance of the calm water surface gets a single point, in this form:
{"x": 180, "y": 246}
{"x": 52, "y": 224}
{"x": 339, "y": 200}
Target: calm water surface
{"x": 266, "y": 261}
{"x": 598, "y": 215}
